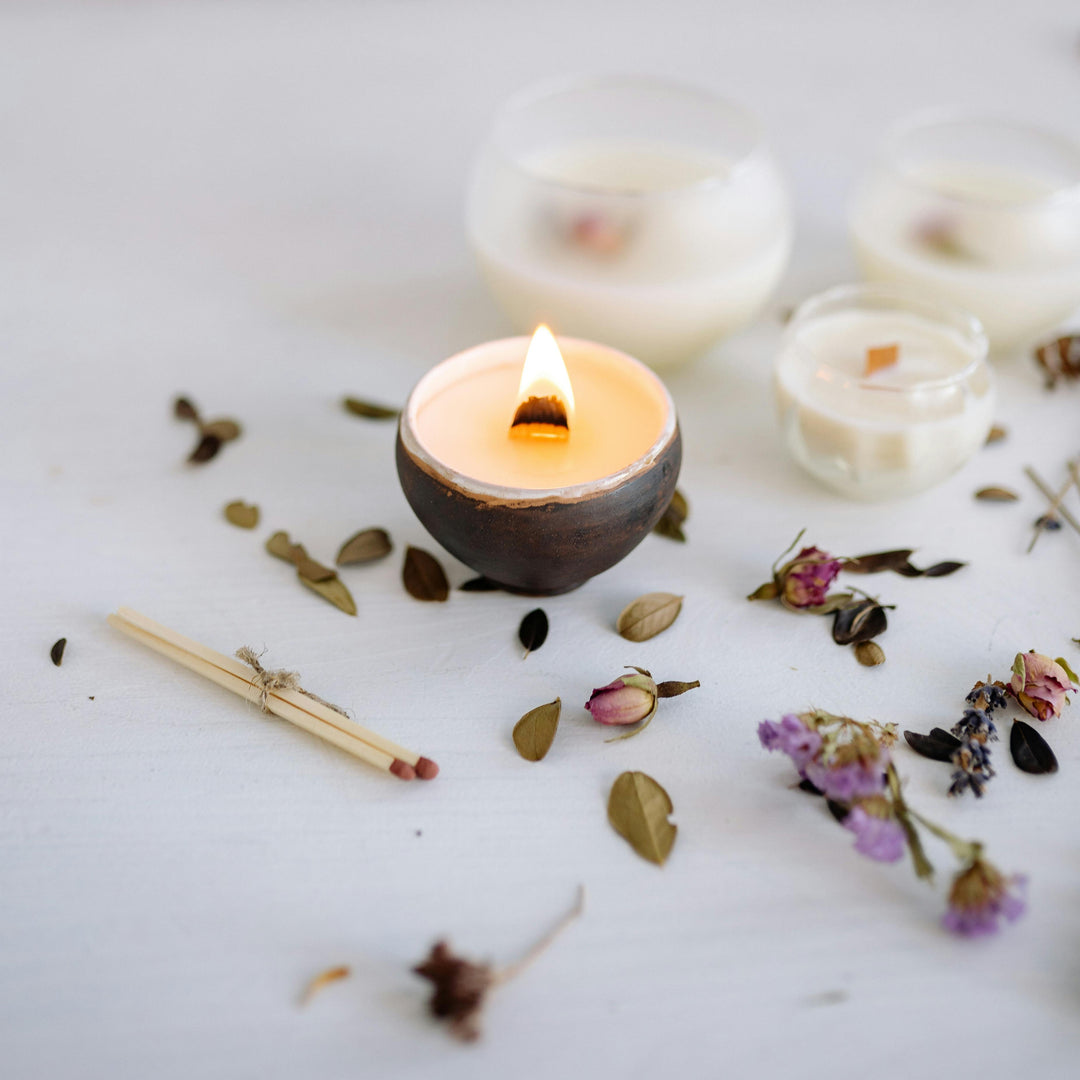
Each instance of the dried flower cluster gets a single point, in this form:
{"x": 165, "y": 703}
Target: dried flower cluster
{"x": 849, "y": 762}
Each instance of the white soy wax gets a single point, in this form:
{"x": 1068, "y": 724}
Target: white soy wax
{"x": 902, "y": 428}
{"x": 982, "y": 215}
{"x": 640, "y": 214}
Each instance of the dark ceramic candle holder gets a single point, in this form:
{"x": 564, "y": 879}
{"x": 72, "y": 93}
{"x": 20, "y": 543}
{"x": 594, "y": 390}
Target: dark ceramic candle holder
{"x": 539, "y": 542}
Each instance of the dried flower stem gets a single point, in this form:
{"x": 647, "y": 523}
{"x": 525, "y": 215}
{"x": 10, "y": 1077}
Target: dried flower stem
{"x": 1034, "y": 477}
{"x": 1054, "y": 507}
{"x": 515, "y": 969}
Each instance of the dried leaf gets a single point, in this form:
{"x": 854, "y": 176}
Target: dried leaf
{"x": 205, "y": 449}
{"x": 225, "y": 430}
{"x": 1059, "y": 359}
{"x": 481, "y": 584}
{"x": 334, "y": 590}
{"x": 323, "y": 979}
{"x": 1030, "y": 750}
{"x": 366, "y": 546}
{"x": 242, "y": 515}
{"x": 535, "y": 731}
{"x": 648, "y": 616}
{"x": 878, "y": 561}
{"x": 674, "y": 689}
{"x": 184, "y": 410}
{"x": 859, "y": 622}
{"x": 939, "y": 745}
{"x": 638, "y": 809}
{"x": 671, "y": 521}
{"x": 280, "y": 546}
{"x": 942, "y": 569}
{"x": 533, "y": 631}
{"x": 369, "y": 410}
{"x": 56, "y": 653}
{"x": 996, "y": 494}
{"x": 308, "y": 569}
{"x": 423, "y": 577}
{"x": 869, "y": 653}
{"x": 769, "y": 591}
{"x": 996, "y": 434}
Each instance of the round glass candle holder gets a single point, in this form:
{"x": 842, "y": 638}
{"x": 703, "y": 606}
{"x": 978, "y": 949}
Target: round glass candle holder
{"x": 902, "y": 428}
{"x": 978, "y": 212}
{"x": 534, "y": 539}
{"x": 637, "y": 212}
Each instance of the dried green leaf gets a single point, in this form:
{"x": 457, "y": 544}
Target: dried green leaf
{"x": 869, "y": 653}
{"x": 943, "y": 569}
{"x": 280, "y": 546}
{"x": 535, "y": 731}
{"x": 671, "y": 521}
{"x": 184, "y": 410}
{"x": 308, "y": 569}
{"x": 423, "y": 577}
{"x": 939, "y": 745}
{"x": 205, "y": 449}
{"x": 533, "y": 631}
{"x": 769, "y": 591}
{"x": 859, "y": 622}
{"x": 481, "y": 584}
{"x": 225, "y": 430}
{"x": 648, "y": 616}
{"x": 332, "y": 589}
{"x": 1068, "y": 670}
{"x": 242, "y": 515}
{"x": 369, "y": 410}
{"x": 1030, "y": 750}
{"x": 674, "y": 689}
{"x": 996, "y": 494}
{"x": 878, "y": 561}
{"x": 366, "y": 546}
{"x": 996, "y": 434}
{"x": 56, "y": 653}
{"x": 638, "y": 810}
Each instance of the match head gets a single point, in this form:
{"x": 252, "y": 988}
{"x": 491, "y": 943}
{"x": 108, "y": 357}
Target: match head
{"x": 426, "y": 769}
{"x": 402, "y": 769}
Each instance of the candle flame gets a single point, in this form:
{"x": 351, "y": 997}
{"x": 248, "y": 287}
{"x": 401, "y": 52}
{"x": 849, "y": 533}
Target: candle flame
{"x": 545, "y": 403}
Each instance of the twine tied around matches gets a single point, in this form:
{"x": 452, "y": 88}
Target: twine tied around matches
{"x": 269, "y": 681}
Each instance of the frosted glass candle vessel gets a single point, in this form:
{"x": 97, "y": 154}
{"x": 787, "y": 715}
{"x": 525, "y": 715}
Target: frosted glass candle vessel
{"x": 901, "y": 428}
{"x": 645, "y": 215}
{"x": 980, "y": 213}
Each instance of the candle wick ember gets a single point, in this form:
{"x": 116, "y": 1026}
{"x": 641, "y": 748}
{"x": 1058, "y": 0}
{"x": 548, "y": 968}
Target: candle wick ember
{"x": 545, "y": 417}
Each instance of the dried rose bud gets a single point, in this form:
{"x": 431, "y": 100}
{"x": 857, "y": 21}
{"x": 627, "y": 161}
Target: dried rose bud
{"x": 1039, "y": 684}
{"x": 804, "y": 582}
{"x": 629, "y": 699}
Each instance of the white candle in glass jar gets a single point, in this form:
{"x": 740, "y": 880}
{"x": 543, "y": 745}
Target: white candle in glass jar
{"x": 981, "y": 214}
{"x": 901, "y": 428}
{"x": 660, "y": 239}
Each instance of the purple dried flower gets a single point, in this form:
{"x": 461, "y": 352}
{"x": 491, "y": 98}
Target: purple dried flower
{"x": 850, "y": 780}
{"x": 792, "y": 737}
{"x": 880, "y": 838}
{"x": 981, "y": 896}
{"x": 973, "y": 768}
{"x": 976, "y": 724}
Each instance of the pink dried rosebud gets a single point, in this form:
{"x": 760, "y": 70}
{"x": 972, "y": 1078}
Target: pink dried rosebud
{"x": 629, "y": 699}
{"x": 804, "y": 582}
{"x": 1040, "y": 684}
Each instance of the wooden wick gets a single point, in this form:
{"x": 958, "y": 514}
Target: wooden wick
{"x": 542, "y": 416}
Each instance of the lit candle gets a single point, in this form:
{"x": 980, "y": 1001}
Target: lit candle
{"x": 881, "y": 394}
{"x": 540, "y": 475}
{"x": 980, "y": 213}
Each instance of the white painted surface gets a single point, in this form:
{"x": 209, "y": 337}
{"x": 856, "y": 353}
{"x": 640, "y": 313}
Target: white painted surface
{"x": 261, "y": 205}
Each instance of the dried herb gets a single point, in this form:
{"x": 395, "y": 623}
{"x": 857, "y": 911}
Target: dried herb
{"x": 939, "y": 745}
{"x": 899, "y": 562}
{"x": 481, "y": 584}
{"x": 672, "y": 519}
{"x": 996, "y": 434}
{"x": 423, "y": 576}
{"x": 859, "y": 622}
{"x": 242, "y": 515}
{"x": 323, "y": 979}
{"x": 648, "y": 616}
{"x": 366, "y": 546}
{"x": 869, "y": 653}
{"x": 533, "y": 631}
{"x": 369, "y": 410}
{"x": 56, "y": 653}
{"x": 996, "y": 494}
{"x": 212, "y": 435}
{"x": 941, "y": 569}
{"x": 1030, "y": 750}
{"x": 535, "y": 731}
{"x": 1059, "y": 360}
{"x": 638, "y": 810}
{"x": 313, "y": 575}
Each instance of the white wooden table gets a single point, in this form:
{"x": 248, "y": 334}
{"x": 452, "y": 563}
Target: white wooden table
{"x": 261, "y": 205}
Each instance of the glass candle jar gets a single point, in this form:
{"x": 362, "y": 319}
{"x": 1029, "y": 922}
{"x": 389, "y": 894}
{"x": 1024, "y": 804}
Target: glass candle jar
{"x": 981, "y": 213}
{"x": 871, "y": 431}
{"x": 646, "y": 215}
